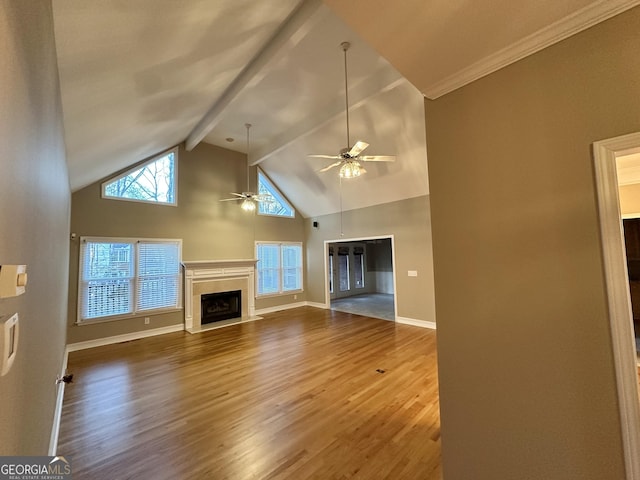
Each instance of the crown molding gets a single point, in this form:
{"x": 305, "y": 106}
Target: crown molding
{"x": 580, "y": 20}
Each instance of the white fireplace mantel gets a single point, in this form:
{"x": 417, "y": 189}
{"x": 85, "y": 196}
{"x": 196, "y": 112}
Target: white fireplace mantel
{"x": 212, "y": 276}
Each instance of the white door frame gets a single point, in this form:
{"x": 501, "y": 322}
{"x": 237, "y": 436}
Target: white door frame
{"x": 617, "y": 292}
{"x": 327, "y": 294}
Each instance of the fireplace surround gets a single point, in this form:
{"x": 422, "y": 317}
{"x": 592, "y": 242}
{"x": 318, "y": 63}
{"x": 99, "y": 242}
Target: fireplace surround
{"x": 208, "y": 277}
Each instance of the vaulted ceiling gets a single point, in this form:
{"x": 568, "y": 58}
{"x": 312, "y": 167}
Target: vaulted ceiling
{"x": 140, "y": 77}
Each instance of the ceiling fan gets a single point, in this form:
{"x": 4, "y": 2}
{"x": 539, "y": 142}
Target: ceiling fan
{"x": 249, "y": 199}
{"x": 349, "y": 158}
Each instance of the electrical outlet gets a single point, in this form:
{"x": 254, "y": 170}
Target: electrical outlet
{"x": 147, "y": 320}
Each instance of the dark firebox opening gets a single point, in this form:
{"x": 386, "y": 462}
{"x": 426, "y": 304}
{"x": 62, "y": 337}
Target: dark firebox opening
{"x": 220, "y": 306}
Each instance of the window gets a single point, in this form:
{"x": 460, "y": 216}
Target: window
{"x": 343, "y": 270}
{"x": 279, "y": 268}
{"x": 278, "y": 206}
{"x": 125, "y": 277}
{"x": 331, "y": 270}
{"x": 153, "y": 182}
{"x": 358, "y": 266}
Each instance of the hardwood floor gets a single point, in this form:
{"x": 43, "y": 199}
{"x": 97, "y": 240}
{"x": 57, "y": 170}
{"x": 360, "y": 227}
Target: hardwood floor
{"x": 297, "y": 395}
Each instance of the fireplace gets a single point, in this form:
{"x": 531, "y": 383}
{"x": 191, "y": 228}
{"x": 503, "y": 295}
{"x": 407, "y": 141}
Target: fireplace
{"x": 206, "y": 277}
{"x": 218, "y": 306}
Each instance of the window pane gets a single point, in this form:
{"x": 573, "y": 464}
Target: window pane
{"x": 343, "y": 271}
{"x": 292, "y": 267}
{"x": 358, "y": 270}
{"x": 268, "y": 268}
{"x": 158, "y": 272}
{"x": 268, "y": 281}
{"x": 291, "y": 279}
{"x": 108, "y": 260}
{"x": 123, "y": 278}
{"x": 277, "y": 205}
{"x": 330, "y": 273}
{"x": 279, "y": 268}
{"x": 153, "y": 182}
{"x": 105, "y": 298}
{"x": 158, "y": 292}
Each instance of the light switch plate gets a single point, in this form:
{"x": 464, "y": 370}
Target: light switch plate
{"x": 9, "y": 342}
{"x": 13, "y": 280}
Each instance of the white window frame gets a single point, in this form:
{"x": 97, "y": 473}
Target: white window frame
{"x": 135, "y": 280}
{"x": 275, "y": 193}
{"x": 138, "y": 166}
{"x": 281, "y": 290}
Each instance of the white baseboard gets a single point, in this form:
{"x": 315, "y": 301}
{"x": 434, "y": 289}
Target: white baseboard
{"x": 57, "y": 413}
{"x": 317, "y": 305}
{"x": 127, "y": 337}
{"x": 416, "y": 322}
{"x": 278, "y": 308}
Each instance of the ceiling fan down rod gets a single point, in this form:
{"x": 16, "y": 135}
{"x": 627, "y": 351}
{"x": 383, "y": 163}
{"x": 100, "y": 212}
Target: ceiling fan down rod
{"x": 345, "y": 46}
{"x": 247, "y": 126}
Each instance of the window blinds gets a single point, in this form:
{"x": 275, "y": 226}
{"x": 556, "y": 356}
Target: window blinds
{"x": 124, "y": 277}
{"x": 158, "y": 275}
{"x": 279, "y": 268}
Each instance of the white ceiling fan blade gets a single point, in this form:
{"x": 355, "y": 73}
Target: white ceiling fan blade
{"x": 329, "y": 167}
{"x": 263, "y": 198}
{"x": 231, "y": 199}
{"x": 358, "y": 147}
{"x": 377, "y": 158}
{"x": 324, "y": 156}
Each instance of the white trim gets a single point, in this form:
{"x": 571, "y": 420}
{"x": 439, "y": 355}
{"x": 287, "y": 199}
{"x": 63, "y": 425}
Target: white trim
{"x": 618, "y": 297}
{"x": 281, "y": 290}
{"x": 416, "y": 323}
{"x": 278, "y": 308}
{"x": 137, "y": 167}
{"x": 135, "y": 279}
{"x": 57, "y": 413}
{"x": 327, "y": 293}
{"x": 280, "y": 198}
{"x": 127, "y": 337}
{"x": 578, "y": 21}
{"x": 324, "y": 306}
{"x": 206, "y": 271}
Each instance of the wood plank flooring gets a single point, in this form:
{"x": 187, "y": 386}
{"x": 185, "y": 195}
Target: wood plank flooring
{"x": 297, "y": 395}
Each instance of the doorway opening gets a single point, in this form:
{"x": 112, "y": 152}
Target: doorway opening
{"x": 360, "y": 276}
{"x": 606, "y": 154}
{"x": 631, "y": 229}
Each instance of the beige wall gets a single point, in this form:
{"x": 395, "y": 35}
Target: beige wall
{"x": 210, "y": 230}
{"x": 409, "y": 222}
{"x": 527, "y": 382}
{"x": 34, "y": 221}
{"x": 630, "y": 199}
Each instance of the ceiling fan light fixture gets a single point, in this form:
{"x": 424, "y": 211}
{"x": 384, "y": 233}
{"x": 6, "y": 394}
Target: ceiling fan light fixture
{"x": 348, "y": 157}
{"x": 350, "y": 169}
{"x": 248, "y": 205}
